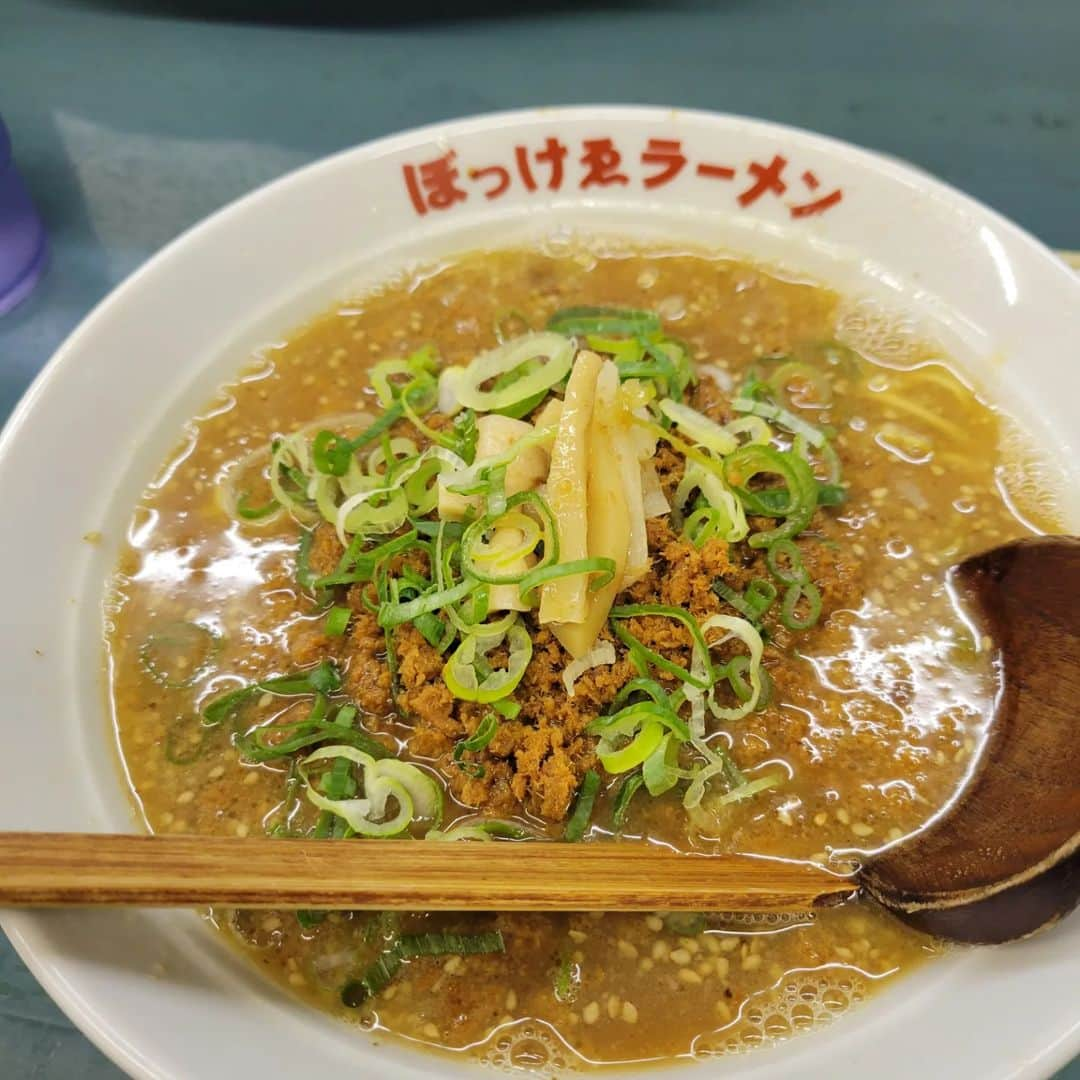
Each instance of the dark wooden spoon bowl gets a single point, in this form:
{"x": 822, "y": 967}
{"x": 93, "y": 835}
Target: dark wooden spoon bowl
{"x": 1003, "y": 860}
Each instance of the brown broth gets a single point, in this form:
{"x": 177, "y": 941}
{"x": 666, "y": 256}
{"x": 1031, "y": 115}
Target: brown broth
{"x": 876, "y": 715}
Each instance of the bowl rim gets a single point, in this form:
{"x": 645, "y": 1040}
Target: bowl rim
{"x": 22, "y": 927}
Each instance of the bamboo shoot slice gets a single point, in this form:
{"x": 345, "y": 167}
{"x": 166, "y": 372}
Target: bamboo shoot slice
{"x": 608, "y": 514}
{"x": 565, "y": 600}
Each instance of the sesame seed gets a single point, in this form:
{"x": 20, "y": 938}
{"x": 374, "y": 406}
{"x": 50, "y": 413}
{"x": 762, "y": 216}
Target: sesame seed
{"x": 430, "y": 1030}
{"x": 722, "y": 966}
{"x": 751, "y": 962}
{"x": 185, "y": 797}
{"x": 860, "y": 828}
{"x": 680, "y": 956}
{"x": 729, "y": 944}
{"x": 511, "y": 999}
{"x": 625, "y": 948}
{"x": 614, "y": 1006}
{"x": 645, "y": 963}
{"x": 241, "y": 829}
{"x": 629, "y": 1012}
{"x": 654, "y": 923}
{"x": 660, "y": 950}
{"x": 690, "y": 977}
{"x": 578, "y": 936}
{"x": 217, "y": 772}
{"x": 843, "y": 816}
{"x": 591, "y": 1013}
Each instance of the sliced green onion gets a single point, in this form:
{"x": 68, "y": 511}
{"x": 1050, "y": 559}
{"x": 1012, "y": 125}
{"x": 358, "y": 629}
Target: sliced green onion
{"x": 256, "y": 746}
{"x": 699, "y": 427}
{"x": 755, "y": 429}
{"x": 556, "y": 350}
{"x": 305, "y": 576}
{"x": 177, "y": 653}
{"x": 598, "y": 565}
{"x": 631, "y": 756}
{"x": 382, "y": 971}
{"x": 736, "y": 671}
{"x": 750, "y": 788}
{"x": 792, "y": 574}
{"x": 477, "y": 741}
{"x": 484, "y": 733}
{"x": 464, "y": 673}
{"x": 442, "y": 943}
{"x": 487, "y": 829}
{"x": 566, "y": 984}
{"x": 728, "y": 519}
{"x": 332, "y": 453}
{"x": 644, "y": 658}
{"x": 752, "y": 604}
{"x": 717, "y": 763}
{"x": 422, "y": 488}
{"x": 701, "y": 650}
{"x": 337, "y": 621}
{"x": 357, "y": 565}
{"x": 322, "y": 679}
{"x": 780, "y": 379}
{"x": 705, "y": 524}
{"x": 472, "y": 539}
{"x": 685, "y": 923}
{"x": 415, "y": 793}
{"x": 628, "y": 719}
{"x": 788, "y": 614}
{"x": 785, "y": 417}
{"x": 394, "y": 614}
{"x": 630, "y": 787}
{"x": 373, "y": 982}
{"x": 745, "y": 632}
{"x": 649, "y": 687}
{"x": 289, "y": 463}
{"x": 255, "y": 513}
{"x": 831, "y": 494}
{"x": 578, "y": 821}
{"x": 576, "y": 321}
{"x": 801, "y": 489}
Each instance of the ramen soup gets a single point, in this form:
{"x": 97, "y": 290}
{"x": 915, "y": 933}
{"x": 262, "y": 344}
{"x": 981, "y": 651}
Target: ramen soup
{"x": 541, "y": 546}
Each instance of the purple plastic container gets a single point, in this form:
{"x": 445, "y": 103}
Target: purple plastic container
{"x": 22, "y": 236}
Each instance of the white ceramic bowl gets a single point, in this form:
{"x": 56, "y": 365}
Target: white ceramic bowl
{"x": 158, "y": 992}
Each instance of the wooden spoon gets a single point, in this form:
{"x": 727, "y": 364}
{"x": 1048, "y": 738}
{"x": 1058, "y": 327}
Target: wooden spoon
{"x": 1002, "y": 861}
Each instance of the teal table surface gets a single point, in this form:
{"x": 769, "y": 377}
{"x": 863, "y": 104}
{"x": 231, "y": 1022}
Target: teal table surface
{"x": 131, "y": 121}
